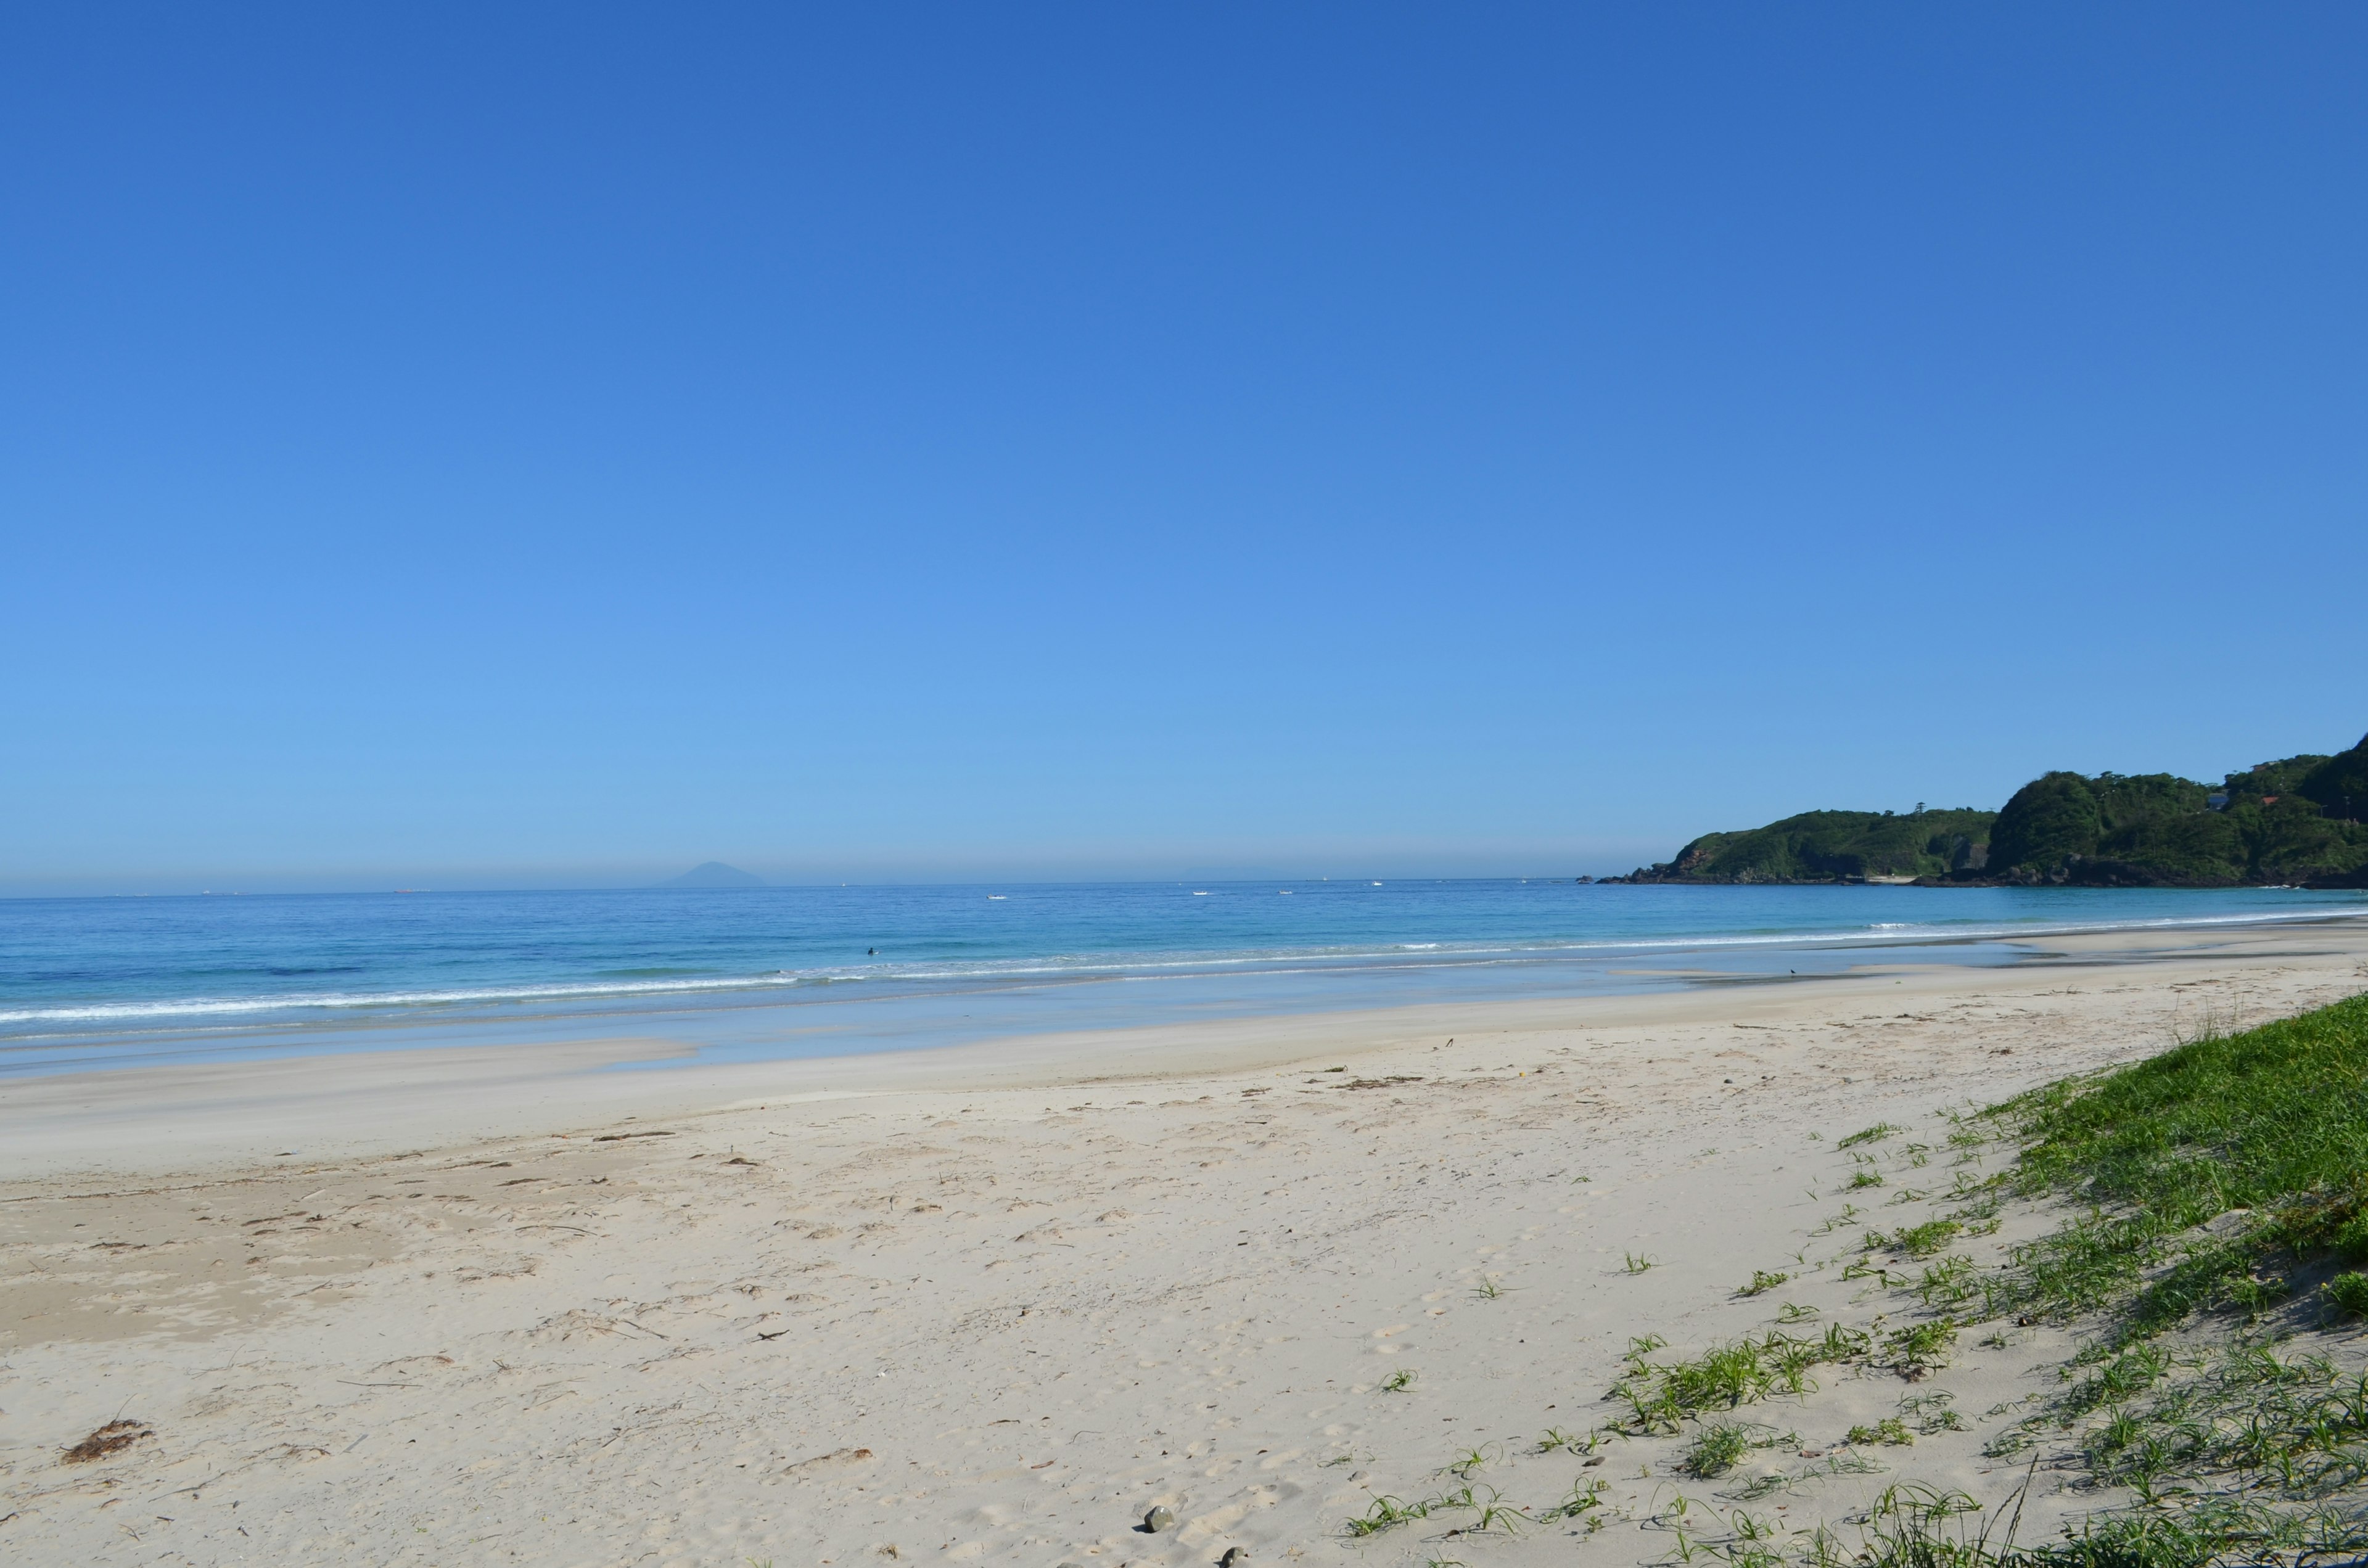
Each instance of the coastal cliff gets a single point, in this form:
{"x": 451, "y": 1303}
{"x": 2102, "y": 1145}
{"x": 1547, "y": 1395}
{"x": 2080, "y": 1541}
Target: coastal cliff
{"x": 2293, "y": 821}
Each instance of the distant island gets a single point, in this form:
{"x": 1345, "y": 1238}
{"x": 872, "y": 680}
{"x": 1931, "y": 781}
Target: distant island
{"x": 2295, "y": 821}
{"x": 715, "y": 874}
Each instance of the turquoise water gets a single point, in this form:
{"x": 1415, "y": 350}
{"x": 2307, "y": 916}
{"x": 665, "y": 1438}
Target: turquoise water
{"x": 88, "y": 983}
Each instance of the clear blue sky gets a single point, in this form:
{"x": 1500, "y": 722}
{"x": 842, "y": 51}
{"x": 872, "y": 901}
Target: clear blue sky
{"x": 512, "y": 447}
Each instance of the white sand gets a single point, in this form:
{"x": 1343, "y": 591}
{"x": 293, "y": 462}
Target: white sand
{"x": 991, "y": 1305}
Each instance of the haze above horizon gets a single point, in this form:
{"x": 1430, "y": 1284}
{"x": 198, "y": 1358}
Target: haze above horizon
{"x": 565, "y": 448}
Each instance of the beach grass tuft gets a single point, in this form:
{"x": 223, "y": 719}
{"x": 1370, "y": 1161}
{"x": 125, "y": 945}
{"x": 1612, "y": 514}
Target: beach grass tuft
{"x": 1660, "y": 1396}
{"x": 1890, "y": 1431}
{"x": 1386, "y": 1512}
{"x": 1584, "y": 1497}
{"x": 1474, "y": 1460}
{"x": 1714, "y": 1450}
{"x": 1917, "y": 1240}
{"x": 1492, "y": 1513}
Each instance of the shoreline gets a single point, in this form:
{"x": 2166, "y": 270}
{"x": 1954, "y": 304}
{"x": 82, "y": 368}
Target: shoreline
{"x": 210, "y": 1116}
{"x": 1021, "y": 994}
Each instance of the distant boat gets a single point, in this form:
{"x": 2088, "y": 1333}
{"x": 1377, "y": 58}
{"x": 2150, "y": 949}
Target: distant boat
{"x": 995, "y": 897}
{"x": 1200, "y": 895}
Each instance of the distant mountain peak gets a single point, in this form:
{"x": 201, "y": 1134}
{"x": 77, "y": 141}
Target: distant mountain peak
{"x": 715, "y": 874}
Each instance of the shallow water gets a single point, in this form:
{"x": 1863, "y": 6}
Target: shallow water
{"x": 802, "y": 971}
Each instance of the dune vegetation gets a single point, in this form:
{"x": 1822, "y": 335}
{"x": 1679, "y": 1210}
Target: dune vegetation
{"x": 2209, "y": 1257}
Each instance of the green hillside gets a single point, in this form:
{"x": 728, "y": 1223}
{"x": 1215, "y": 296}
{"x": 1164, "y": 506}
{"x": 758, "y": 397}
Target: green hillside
{"x": 2291, "y": 821}
{"x": 1832, "y": 847}
{"x": 2297, "y": 820}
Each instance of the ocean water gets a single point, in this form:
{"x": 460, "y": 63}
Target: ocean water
{"x": 802, "y": 971}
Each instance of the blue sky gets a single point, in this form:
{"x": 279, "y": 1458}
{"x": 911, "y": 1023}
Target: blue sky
{"x": 933, "y": 441}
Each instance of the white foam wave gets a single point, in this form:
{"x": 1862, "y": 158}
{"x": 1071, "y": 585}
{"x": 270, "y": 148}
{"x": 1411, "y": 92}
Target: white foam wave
{"x": 216, "y": 1006}
{"x": 1105, "y": 966}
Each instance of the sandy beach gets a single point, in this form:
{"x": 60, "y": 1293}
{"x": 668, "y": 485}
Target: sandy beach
{"x": 993, "y": 1304}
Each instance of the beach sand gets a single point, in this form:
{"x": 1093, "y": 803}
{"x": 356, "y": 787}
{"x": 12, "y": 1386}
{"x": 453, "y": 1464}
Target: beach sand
{"x": 993, "y": 1304}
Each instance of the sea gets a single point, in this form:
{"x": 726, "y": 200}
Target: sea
{"x": 757, "y": 974}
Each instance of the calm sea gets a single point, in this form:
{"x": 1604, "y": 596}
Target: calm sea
{"x": 804, "y": 970}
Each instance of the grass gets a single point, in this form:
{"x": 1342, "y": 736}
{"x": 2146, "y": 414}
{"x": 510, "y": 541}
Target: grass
{"x": 1933, "y": 1413}
{"x": 1890, "y": 1432}
{"x": 1661, "y": 1396}
{"x": 1400, "y": 1381}
{"x": 1917, "y": 1241}
{"x": 1915, "y": 1350}
{"x": 2264, "y": 1131}
{"x": 1774, "y": 1482}
{"x": 2214, "y": 1181}
{"x": 1635, "y": 1263}
{"x": 2218, "y": 1183}
{"x": 2238, "y": 1419}
{"x": 1715, "y": 1450}
{"x": 1386, "y": 1512}
{"x": 1488, "y": 1290}
{"x": 1475, "y": 1458}
{"x": 1584, "y": 1497}
{"x": 1950, "y": 1281}
{"x": 1921, "y": 1527}
{"x": 1492, "y": 1513}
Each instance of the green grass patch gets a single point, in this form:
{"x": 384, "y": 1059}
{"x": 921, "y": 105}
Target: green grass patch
{"x": 1661, "y": 1395}
{"x": 2228, "y": 1175}
{"x": 1386, "y": 1512}
{"x": 1917, "y": 1240}
{"x": 1714, "y": 1450}
{"x": 1890, "y": 1431}
{"x": 1584, "y": 1497}
{"x": 2264, "y": 1132}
